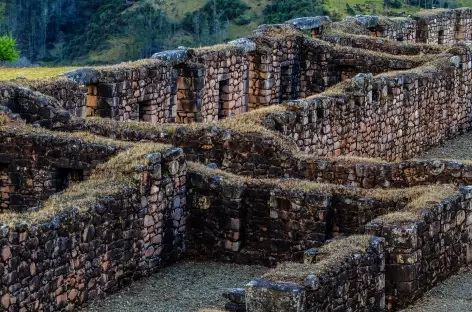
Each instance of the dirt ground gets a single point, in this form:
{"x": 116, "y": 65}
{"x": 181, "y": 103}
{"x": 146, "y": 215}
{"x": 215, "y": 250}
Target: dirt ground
{"x": 460, "y": 148}
{"x": 183, "y": 287}
{"x": 454, "y": 295}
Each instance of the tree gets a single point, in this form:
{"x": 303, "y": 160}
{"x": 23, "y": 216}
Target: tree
{"x": 8, "y": 50}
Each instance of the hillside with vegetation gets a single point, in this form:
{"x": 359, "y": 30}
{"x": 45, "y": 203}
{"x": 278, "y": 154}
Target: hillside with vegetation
{"x": 83, "y": 32}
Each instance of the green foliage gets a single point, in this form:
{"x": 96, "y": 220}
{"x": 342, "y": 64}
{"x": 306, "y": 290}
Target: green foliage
{"x": 209, "y": 24}
{"x": 8, "y": 49}
{"x": 397, "y": 4}
{"x": 283, "y": 10}
{"x": 350, "y": 10}
{"x": 93, "y": 32}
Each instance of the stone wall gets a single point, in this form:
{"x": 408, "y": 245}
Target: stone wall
{"x": 421, "y": 254}
{"x": 36, "y": 166}
{"x": 275, "y": 65}
{"x": 100, "y": 236}
{"x": 33, "y": 107}
{"x": 71, "y": 96}
{"x": 463, "y": 25}
{"x": 143, "y": 91}
{"x": 225, "y": 81}
{"x": 252, "y": 223}
{"x": 345, "y": 282}
{"x": 190, "y": 83}
{"x": 391, "y": 117}
{"x": 437, "y": 27}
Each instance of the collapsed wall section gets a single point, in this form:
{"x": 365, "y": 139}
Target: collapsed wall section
{"x": 70, "y": 95}
{"x": 33, "y": 107}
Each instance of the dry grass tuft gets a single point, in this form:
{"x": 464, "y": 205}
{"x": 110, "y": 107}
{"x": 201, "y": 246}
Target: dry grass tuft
{"x": 215, "y": 48}
{"x": 431, "y": 12}
{"x": 336, "y": 90}
{"x": 332, "y": 255}
{"x": 437, "y": 65}
{"x": 229, "y": 178}
{"x": 251, "y": 121}
{"x": 271, "y": 32}
{"x": 79, "y": 196}
{"x": 87, "y": 137}
{"x": 125, "y": 164}
{"x": 132, "y": 65}
{"x": 418, "y": 59}
{"x": 344, "y": 158}
{"x": 397, "y": 218}
{"x": 113, "y": 125}
{"x": 4, "y": 119}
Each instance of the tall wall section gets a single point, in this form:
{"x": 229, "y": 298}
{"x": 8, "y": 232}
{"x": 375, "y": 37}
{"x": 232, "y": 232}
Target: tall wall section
{"x": 386, "y": 116}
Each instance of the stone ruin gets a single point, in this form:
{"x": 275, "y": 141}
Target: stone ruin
{"x": 300, "y": 157}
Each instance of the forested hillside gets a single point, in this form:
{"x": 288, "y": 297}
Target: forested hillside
{"x": 107, "y": 31}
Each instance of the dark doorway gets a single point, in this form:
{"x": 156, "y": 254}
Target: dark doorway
{"x": 65, "y": 177}
{"x": 441, "y": 37}
{"x": 224, "y": 102}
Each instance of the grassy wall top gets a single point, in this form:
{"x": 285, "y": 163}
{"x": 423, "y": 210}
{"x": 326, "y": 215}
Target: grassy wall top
{"x": 121, "y": 172}
{"x": 417, "y": 198}
{"x": 333, "y": 255}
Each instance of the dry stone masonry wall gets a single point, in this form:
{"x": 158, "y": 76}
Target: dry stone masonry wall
{"x": 63, "y": 244}
{"x": 83, "y": 250}
{"x": 391, "y": 117}
{"x": 34, "y": 167}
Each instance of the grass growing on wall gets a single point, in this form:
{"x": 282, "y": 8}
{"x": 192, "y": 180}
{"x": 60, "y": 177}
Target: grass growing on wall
{"x": 33, "y": 73}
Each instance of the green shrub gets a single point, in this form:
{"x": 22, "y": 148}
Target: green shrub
{"x": 8, "y": 50}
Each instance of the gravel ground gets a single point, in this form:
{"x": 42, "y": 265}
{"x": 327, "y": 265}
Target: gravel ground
{"x": 459, "y": 148}
{"x": 454, "y": 295}
{"x": 183, "y": 287}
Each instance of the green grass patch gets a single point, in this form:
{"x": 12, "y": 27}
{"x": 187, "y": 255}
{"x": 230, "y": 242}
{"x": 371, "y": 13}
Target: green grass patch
{"x": 33, "y": 73}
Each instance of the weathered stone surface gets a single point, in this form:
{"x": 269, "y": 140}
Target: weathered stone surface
{"x": 309, "y": 22}
{"x": 172, "y": 56}
{"x": 84, "y": 76}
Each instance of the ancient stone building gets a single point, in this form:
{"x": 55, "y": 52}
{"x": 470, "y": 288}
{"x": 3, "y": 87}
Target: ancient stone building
{"x": 299, "y": 158}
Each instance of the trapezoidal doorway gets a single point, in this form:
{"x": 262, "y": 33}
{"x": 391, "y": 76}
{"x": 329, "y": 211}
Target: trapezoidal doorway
{"x": 225, "y": 103}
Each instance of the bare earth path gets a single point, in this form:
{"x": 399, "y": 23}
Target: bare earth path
{"x": 460, "y": 148}
{"x": 183, "y": 287}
